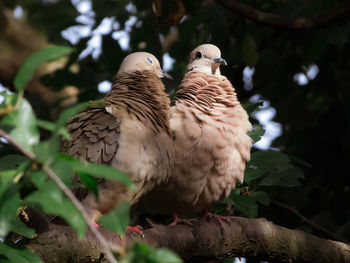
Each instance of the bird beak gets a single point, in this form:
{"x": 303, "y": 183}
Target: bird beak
{"x": 166, "y": 75}
{"x": 220, "y": 61}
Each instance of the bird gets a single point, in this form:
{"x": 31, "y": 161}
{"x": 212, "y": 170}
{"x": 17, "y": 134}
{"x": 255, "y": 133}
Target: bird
{"x": 210, "y": 135}
{"x": 130, "y": 132}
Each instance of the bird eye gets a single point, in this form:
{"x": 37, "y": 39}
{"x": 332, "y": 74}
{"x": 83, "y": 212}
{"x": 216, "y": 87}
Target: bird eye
{"x": 150, "y": 60}
{"x": 199, "y": 54}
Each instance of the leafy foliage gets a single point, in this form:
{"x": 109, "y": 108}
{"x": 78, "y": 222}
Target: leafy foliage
{"x": 265, "y": 169}
{"x": 18, "y": 255}
{"x": 118, "y": 219}
{"x": 21, "y": 123}
{"x": 27, "y": 71}
{"x": 141, "y": 253}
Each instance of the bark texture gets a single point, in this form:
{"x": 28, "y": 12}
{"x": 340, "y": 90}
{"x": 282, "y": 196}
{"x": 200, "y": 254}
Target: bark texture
{"x": 198, "y": 243}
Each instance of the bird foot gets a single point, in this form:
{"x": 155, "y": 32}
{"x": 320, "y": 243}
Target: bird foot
{"x": 178, "y": 221}
{"x": 138, "y": 229}
{"x": 95, "y": 224}
{"x": 219, "y": 219}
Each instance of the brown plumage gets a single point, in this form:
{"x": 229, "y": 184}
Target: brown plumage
{"x": 211, "y": 143}
{"x": 131, "y": 134}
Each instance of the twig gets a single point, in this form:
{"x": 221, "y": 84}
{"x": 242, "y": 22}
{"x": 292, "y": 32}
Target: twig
{"x": 308, "y": 221}
{"x": 340, "y": 11}
{"x": 29, "y": 154}
{"x": 68, "y": 193}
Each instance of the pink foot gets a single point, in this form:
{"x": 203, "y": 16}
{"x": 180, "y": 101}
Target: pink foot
{"x": 218, "y": 218}
{"x": 95, "y": 224}
{"x": 178, "y": 221}
{"x": 137, "y": 229}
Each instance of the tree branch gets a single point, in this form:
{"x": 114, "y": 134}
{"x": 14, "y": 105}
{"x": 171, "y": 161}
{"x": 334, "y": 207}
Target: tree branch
{"x": 340, "y": 11}
{"x": 201, "y": 242}
{"x": 68, "y": 193}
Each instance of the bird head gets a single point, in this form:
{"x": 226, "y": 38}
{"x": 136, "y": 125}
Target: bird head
{"x": 140, "y": 61}
{"x": 206, "y": 58}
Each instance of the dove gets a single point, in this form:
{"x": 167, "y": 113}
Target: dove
{"x": 131, "y": 133}
{"x": 211, "y": 143}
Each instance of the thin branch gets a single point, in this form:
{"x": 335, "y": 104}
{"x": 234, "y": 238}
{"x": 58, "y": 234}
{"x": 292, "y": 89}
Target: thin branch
{"x": 29, "y": 154}
{"x": 308, "y": 221}
{"x": 340, "y": 11}
{"x": 68, "y": 193}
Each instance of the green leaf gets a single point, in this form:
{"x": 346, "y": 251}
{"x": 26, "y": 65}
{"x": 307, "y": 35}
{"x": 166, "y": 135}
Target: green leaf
{"x": 68, "y": 113}
{"x": 11, "y": 161}
{"x": 26, "y": 72}
{"x": 10, "y": 99}
{"x": 256, "y": 133}
{"x": 50, "y": 126}
{"x": 10, "y": 202}
{"x": 244, "y": 204}
{"x": 47, "y": 125}
{"x": 142, "y": 253}
{"x": 118, "y": 219}
{"x": 289, "y": 178}
{"x": 90, "y": 182}
{"x": 52, "y": 200}
{"x": 22, "y": 229}
{"x": 164, "y": 255}
{"x": 251, "y": 174}
{"x": 21, "y": 125}
{"x": 98, "y": 170}
{"x": 64, "y": 171}
{"x": 269, "y": 161}
{"x": 48, "y": 149}
{"x": 6, "y": 180}
{"x": 250, "y": 107}
{"x": 249, "y": 54}
{"x": 19, "y": 255}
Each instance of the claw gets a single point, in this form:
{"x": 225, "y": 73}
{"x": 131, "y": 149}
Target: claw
{"x": 138, "y": 229}
{"x": 219, "y": 219}
{"x": 178, "y": 221}
{"x": 95, "y": 224}
{"x": 175, "y": 221}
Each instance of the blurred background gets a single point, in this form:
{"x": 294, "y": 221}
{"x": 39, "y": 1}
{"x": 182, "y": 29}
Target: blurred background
{"x": 298, "y": 68}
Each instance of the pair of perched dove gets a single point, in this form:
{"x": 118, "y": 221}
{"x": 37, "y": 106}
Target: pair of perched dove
{"x": 182, "y": 159}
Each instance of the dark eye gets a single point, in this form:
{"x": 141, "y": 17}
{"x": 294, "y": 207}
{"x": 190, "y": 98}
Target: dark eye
{"x": 199, "y": 54}
{"x": 150, "y": 60}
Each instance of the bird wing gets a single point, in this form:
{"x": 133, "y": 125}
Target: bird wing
{"x": 95, "y": 134}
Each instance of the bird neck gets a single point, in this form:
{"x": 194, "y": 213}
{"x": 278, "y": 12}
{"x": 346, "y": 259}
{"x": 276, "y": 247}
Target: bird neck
{"x": 212, "y": 69}
{"x": 206, "y": 91}
{"x": 141, "y": 95}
